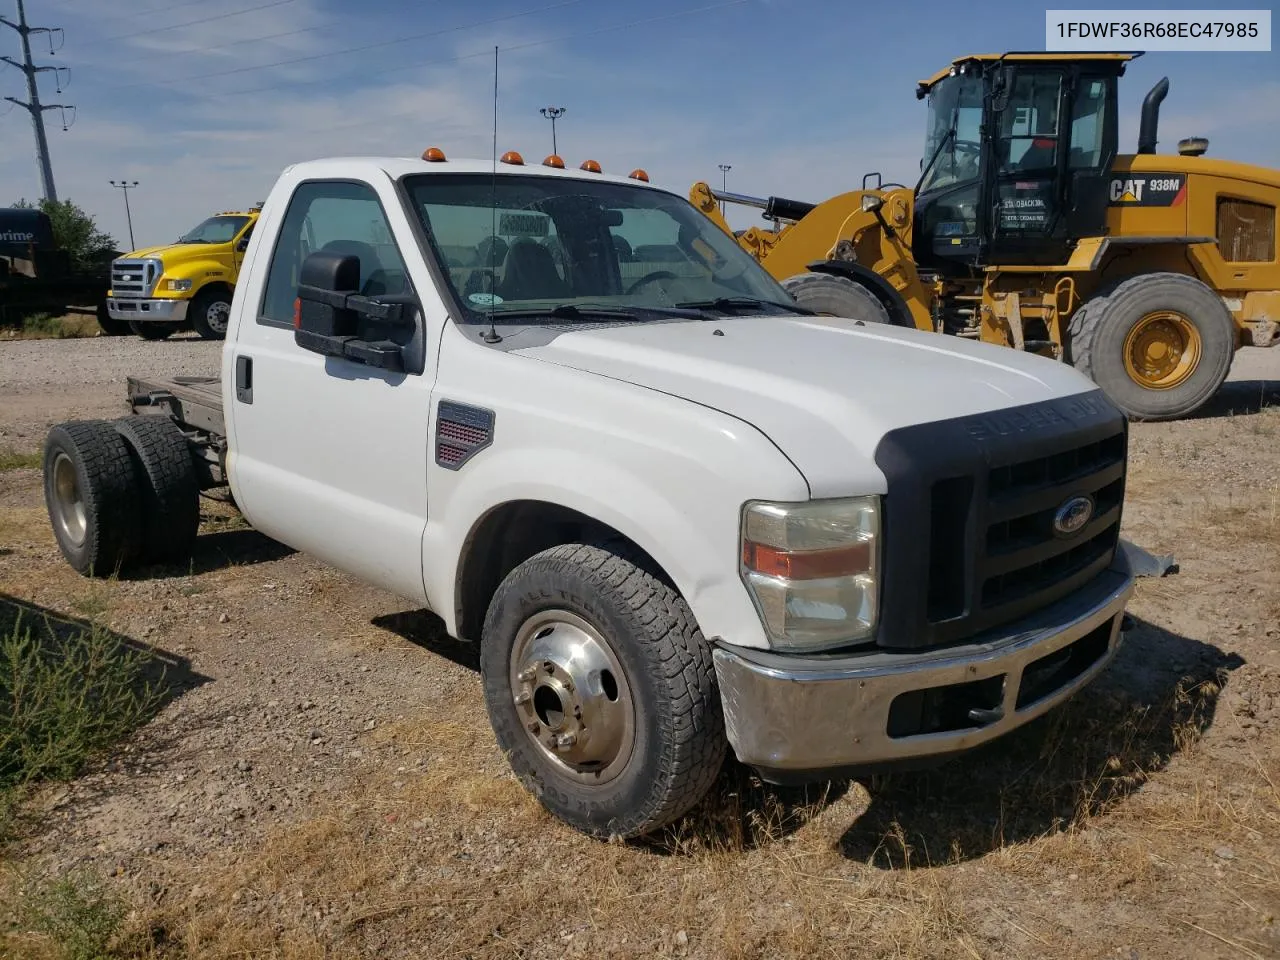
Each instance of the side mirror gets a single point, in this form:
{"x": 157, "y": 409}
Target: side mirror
{"x": 243, "y": 244}
{"x": 332, "y": 318}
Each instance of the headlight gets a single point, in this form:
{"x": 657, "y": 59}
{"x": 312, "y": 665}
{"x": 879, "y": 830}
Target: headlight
{"x": 811, "y": 569}
{"x": 179, "y": 285}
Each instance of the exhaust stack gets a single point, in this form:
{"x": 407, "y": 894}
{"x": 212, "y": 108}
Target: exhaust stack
{"x": 1151, "y": 116}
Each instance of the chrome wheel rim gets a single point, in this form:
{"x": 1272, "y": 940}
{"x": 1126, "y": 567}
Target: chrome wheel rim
{"x": 218, "y": 315}
{"x": 572, "y": 696}
{"x": 68, "y": 504}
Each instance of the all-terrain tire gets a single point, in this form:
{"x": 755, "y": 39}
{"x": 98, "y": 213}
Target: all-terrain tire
{"x": 150, "y": 330}
{"x": 169, "y": 487}
{"x": 679, "y": 742}
{"x": 91, "y": 490}
{"x": 834, "y": 296}
{"x": 1099, "y": 329}
{"x": 210, "y": 313}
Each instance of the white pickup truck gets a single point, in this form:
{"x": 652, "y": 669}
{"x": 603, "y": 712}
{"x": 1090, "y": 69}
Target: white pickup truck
{"x": 679, "y": 514}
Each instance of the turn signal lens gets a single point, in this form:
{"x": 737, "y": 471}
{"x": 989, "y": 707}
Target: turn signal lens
{"x": 513, "y": 158}
{"x": 638, "y": 174}
{"x": 433, "y": 155}
{"x": 590, "y": 166}
{"x": 807, "y": 564}
{"x": 297, "y": 313}
{"x": 553, "y": 161}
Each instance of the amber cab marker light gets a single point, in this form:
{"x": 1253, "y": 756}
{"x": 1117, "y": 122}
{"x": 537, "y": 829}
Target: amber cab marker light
{"x": 553, "y": 161}
{"x": 590, "y": 166}
{"x": 433, "y": 155}
{"x": 513, "y": 158}
{"x": 638, "y": 174}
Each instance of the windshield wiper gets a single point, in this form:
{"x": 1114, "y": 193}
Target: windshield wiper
{"x": 734, "y": 304}
{"x": 586, "y": 313}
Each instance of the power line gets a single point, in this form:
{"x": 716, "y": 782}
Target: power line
{"x": 32, "y": 104}
{"x": 192, "y": 23}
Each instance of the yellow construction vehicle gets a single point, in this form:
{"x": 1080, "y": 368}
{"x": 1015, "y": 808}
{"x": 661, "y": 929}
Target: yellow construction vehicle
{"x": 1028, "y": 228}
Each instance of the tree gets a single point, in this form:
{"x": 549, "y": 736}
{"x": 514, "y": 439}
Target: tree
{"x": 74, "y": 231}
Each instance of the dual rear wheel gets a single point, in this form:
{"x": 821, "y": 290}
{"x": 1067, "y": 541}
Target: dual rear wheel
{"x": 121, "y": 494}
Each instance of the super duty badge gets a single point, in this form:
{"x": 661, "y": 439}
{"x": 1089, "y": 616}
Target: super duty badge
{"x": 1148, "y": 190}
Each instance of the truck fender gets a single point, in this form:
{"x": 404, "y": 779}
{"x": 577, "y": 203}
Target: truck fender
{"x": 878, "y": 285}
{"x": 606, "y": 493}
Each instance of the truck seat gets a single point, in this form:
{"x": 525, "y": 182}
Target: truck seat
{"x": 530, "y": 273}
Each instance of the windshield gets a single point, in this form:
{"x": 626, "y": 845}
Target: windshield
{"x": 532, "y": 244}
{"x": 215, "y": 230}
{"x": 955, "y": 122}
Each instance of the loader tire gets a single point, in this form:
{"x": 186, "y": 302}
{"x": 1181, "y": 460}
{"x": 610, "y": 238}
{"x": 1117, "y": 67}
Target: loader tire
{"x": 170, "y": 490}
{"x": 91, "y": 490}
{"x": 834, "y": 296}
{"x": 601, "y": 690}
{"x": 1159, "y": 345}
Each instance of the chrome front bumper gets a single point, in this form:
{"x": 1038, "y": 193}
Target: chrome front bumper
{"x": 800, "y": 717}
{"x": 146, "y": 310}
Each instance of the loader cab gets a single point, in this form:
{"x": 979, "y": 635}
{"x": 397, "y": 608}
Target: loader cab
{"x": 1017, "y": 150}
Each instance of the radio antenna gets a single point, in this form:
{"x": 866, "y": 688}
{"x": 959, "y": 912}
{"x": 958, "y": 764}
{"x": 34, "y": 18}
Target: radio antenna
{"x": 491, "y": 335}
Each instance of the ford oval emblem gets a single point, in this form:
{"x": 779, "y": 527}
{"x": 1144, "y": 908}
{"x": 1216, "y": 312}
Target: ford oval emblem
{"x": 1070, "y": 518}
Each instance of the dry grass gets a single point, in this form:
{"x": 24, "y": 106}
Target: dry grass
{"x": 47, "y": 326}
{"x": 456, "y": 855}
{"x": 15, "y": 460}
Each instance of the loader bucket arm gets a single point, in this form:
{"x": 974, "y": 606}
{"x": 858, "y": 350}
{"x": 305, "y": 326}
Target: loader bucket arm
{"x": 700, "y": 196}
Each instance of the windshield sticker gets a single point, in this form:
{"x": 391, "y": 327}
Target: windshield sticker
{"x": 525, "y": 225}
{"x": 485, "y": 299}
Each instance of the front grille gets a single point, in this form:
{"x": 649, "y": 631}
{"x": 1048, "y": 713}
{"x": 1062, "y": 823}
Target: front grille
{"x": 133, "y": 278}
{"x": 970, "y": 539}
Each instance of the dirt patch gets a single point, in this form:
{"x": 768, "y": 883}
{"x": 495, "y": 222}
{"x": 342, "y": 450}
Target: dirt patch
{"x": 331, "y": 788}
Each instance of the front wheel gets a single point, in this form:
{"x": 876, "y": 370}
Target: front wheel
{"x": 601, "y": 690}
{"x": 1158, "y": 344}
{"x": 150, "y": 330}
{"x": 210, "y": 312}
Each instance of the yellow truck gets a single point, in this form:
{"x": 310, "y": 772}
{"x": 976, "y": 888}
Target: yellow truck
{"x": 189, "y": 283}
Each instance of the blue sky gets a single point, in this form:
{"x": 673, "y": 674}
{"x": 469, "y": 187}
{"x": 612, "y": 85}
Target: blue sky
{"x": 801, "y": 97}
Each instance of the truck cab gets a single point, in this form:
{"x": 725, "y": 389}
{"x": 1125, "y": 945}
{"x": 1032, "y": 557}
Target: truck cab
{"x": 679, "y": 514}
{"x": 188, "y": 283}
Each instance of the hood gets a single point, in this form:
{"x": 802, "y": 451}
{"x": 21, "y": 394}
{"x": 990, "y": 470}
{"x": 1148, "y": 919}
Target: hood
{"x": 824, "y": 391}
{"x": 166, "y": 248}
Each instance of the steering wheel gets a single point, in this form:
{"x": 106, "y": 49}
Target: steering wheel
{"x": 650, "y": 278}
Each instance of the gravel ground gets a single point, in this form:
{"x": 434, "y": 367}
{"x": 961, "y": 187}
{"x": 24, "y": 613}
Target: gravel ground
{"x": 43, "y": 382}
{"x": 324, "y": 781}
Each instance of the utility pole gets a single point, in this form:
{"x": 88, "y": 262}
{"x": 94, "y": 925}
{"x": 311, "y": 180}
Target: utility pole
{"x": 724, "y": 182}
{"x": 553, "y": 114}
{"x": 32, "y": 104}
{"x": 126, "y": 186}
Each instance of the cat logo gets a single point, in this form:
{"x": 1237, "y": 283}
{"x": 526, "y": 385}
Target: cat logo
{"x": 1127, "y": 191}
{"x": 1156, "y": 190}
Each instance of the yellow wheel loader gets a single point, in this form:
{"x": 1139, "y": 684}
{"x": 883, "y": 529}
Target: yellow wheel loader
{"x": 1028, "y": 228}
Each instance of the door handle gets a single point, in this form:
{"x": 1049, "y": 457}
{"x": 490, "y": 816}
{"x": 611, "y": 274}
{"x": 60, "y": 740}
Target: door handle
{"x": 244, "y": 379}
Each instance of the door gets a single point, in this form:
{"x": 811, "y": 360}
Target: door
{"x": 330, "y": 455}
{"x": 1054, "y": 137}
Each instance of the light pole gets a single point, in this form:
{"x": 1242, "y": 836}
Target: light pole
{"x": 724, "y": 182}
{"x": 553, "y": 114}
{"x": 126, "y": 186}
